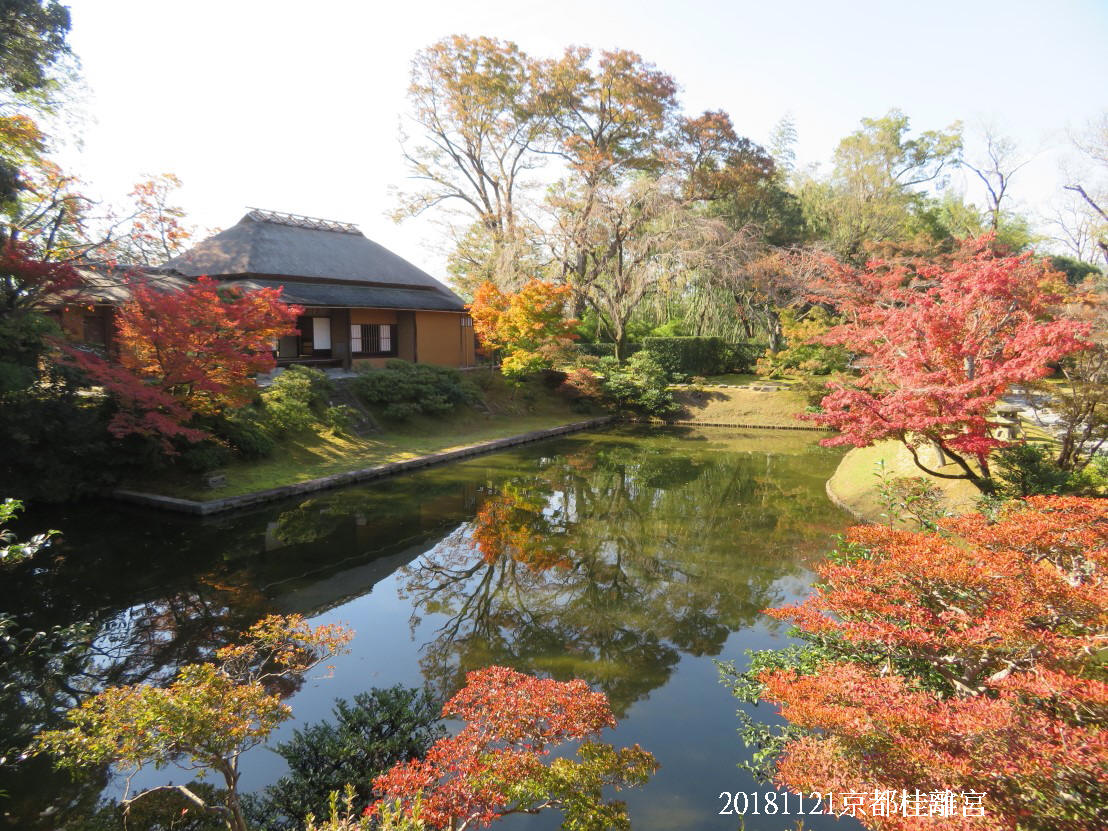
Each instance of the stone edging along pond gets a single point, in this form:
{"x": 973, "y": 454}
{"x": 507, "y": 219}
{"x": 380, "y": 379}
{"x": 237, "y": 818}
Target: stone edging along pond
{"x": 335, "y": 480}
{"x": 842, "y": 504}
{"x": 747, "y": 426}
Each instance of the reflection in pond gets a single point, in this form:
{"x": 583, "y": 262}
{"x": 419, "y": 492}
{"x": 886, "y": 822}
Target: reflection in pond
{"x": 609, "y": 562}
{"x": 628, "y": 558}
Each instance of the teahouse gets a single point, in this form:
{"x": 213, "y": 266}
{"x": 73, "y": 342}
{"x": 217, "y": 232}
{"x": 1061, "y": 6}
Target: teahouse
{"x": 362, "y": 303}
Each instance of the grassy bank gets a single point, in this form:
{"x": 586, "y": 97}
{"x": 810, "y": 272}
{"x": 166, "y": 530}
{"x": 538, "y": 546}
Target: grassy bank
{"x": 758, "y": 408}
{"x": 505, "y": 411}
{"x": 854, "y": 484}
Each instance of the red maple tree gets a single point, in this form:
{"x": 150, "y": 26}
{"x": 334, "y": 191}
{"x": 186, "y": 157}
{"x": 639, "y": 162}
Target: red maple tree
{"x": 187, "y": 353}
{"x": 937, "y": 345}
{"x": 495, "y": 765}
{"x": 28, "y": 286}
{"x": 26, "y": 281}
{"x": 969, "y": 663}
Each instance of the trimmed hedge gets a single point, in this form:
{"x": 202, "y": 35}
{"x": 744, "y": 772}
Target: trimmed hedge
{"x": 406, "y": 389}
{"x": 607, "y": 350}
{"x": 743, "y": 356}
{"x": 686, "y": 356}
{"x": 701, "y": 355}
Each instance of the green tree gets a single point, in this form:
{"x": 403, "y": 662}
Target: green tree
{"x": 381, "y": 728}
{"x": 32, "y": 39}
{"x": 641, "y": 385}
{"x": 874, "y": 192}
{"x": 205, "y": 719}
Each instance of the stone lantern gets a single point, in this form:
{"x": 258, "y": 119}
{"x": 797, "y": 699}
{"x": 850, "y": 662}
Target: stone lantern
{"x": 1007, "y": 426}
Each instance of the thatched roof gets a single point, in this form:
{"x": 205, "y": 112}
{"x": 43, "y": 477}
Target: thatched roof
{"x": 286, "y": 249}
{"x": 111, "y": 283}
{"x": 314, "y": 262}
{"x": 365, "y": 297}
{"x": 102, "y": 284}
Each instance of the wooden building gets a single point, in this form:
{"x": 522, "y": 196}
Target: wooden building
{"x": 362, "y": 303}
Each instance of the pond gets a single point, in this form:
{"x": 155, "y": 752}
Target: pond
{"x": 631, "y": 558}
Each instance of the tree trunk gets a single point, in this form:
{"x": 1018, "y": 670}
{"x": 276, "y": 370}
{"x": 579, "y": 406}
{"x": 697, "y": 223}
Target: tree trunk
{"x": 775, "y": 338}
{"x": 236, "y": 821}
{"x": 982, "y": 483}
{"x": 939, "y": 454}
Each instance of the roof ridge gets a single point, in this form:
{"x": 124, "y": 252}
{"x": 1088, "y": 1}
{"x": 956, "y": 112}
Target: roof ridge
{"x": 301, "y": 221}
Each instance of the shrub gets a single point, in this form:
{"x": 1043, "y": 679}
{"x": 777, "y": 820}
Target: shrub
{"x": 1093, "y": 480}
{"x": 57, "y": 447}
{"x": 909, "y": 499}
{"x": 379, "y": 729}
{"x": 203, "y": 456}
{"x": 598, "y": 350}
{"x": 401, "y": 410}
{"x": 804, "y": 355}
{"x": 343, "y": 816}
{"x": 407, "y": 389}
{"x": 296, "y": 400}
{"x": 245, "y": 433}
{"x": 338, "y": 418}
{"x": 641, "y": 385}
{"x": 743, "y": 357}
{"x": 552, "y": 378}
{"x": 484, "y": 379}
{"x": 1027, "y": 469}
{"x": 582, "y": 383}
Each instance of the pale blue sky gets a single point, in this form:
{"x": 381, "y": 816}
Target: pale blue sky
{"x": 295, "y": 105}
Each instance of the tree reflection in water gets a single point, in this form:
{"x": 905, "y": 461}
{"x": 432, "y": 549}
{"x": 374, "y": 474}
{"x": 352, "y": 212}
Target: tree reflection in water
{"x": 612, "y": 561}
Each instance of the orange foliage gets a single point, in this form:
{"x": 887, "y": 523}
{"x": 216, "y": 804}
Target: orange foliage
{"x": 528, "y": 327}
{"x": 511, "y": 525}
{"x": 495, "y": 765}
{"x": 973, "y": 664}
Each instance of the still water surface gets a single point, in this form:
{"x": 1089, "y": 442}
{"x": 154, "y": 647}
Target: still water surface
{"x": 631, "y": 558}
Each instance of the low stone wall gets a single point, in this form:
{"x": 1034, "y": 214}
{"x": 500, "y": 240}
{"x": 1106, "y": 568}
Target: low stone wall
{"x": 749, "y": 426}
{"x": 337, "y": 480}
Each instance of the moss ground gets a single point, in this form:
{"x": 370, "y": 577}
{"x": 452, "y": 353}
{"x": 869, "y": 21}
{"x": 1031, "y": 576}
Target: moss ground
{"x": 854, "y": 483}
{"x": 777, "y": 408}
{"x": 506, "y": 411}
{"x": 733, "y": 378}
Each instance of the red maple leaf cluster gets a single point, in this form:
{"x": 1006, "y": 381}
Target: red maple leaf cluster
{"x": 975, "y": 668}
{"x": 187, "y": 353}
{"x": 936, "y": 345}
{"x": 496, "y": 765}
{"x": 26, "y": 281}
